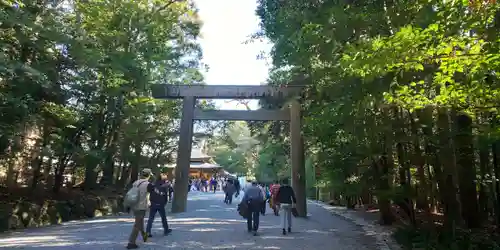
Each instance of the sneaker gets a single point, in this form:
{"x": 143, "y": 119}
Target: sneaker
{"x": 150, "y": 235}
{"x": 289, "y": 229}
{"x": 284, "y": 231}
{"x": 144, "y": 236}
{"x": 254, "y": 233}
{"x": 132, "y": 246}
{"x": 167, "y": 232}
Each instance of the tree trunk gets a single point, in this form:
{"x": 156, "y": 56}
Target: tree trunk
{"x": 496, "y": 168}
{"x": 134, "y": 173}
{"x": 466, "y": 171}
{"x": 419, "y": 162}
{"x": 484, "y": 162}
{"x": 431, "y": 154}
{"x": 449, "y": 190}
{"x": 386, "y": 168}
{"x": 59, "y": 175}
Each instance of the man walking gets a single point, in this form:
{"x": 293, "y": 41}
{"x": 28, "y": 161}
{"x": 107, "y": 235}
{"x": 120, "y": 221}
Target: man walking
{"x": 158, "y": 197}
{"x": 253, "y": 199}
{"x": 139, "y": 209}
{"x": 286, "y": 199}
{"x": 237, "y": 186}
{"x": 229, "y": 191}
{"x": 213, "y": 184}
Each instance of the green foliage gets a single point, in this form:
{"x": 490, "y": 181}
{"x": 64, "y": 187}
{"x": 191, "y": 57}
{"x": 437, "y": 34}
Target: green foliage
{"x": 234, "y": 148}
{"x": 273, "y": 162}
{"x": 370, "y": 69}
{"x": 411, "y": 238}
{"x": 76, "y": 74}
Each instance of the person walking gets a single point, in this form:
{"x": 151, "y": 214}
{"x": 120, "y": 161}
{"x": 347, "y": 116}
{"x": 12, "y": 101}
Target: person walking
{"x": 274, "y": 202}
{"x": 139, "y": 209}
{"x": 170, "y": 192}
{"x": 286, "y": 198}
{"x": 237, "y": 187}
{"x": 213, "y": 184}
{"x": 253, "y": 200}
{"x": 229, "y": 190}
{"x": 263, "y": 206}
{"x": 158, "y": 197}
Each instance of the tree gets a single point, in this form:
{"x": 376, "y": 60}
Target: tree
{"x": 75, "y": 80}
{"x": 400, "y": 95}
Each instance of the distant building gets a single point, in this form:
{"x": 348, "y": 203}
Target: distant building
{"x": 201, "y": 165}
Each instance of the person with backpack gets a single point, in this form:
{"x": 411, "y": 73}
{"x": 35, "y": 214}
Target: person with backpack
{"x": 252, "y": 200}
{"x": 137, "y": 200}
{"x": 287, "y": 200}
{"x": 158, "y": 197}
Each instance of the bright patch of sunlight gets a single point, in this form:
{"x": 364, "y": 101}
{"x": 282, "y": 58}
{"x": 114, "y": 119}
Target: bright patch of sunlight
{"x": 100, "y": 221}
{"x": 316, "y": 231}
{"x": 41, "y": 241}
{"x": 200, "y": 223}
{"x": 204, "y": 230}
{"x": 36, "y": 238}
{"x": 272, "y": 237}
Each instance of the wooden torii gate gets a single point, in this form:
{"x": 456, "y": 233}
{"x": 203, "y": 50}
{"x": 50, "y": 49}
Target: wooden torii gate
{"x": 189, "y": 94}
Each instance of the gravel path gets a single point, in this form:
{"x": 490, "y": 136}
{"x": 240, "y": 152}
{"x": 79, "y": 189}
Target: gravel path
{"x": 208, "y": 224}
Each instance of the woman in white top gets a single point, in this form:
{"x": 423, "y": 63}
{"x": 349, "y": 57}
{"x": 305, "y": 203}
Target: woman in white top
{"x": 263, "y": 191}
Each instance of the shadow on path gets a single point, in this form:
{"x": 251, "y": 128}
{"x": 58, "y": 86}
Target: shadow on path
{"x": 208, "y": 224}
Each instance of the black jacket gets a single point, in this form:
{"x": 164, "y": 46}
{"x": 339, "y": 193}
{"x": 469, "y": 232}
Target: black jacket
{"x": 158, "y": 192}
{"x": 286, "y": 195}
{"x": 237, "y": 185}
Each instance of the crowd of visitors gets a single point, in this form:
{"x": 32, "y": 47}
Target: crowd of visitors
{"x": 280, "y": 197}
{"x": 206, "y": 185}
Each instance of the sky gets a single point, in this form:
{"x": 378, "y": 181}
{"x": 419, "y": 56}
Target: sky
{"x": 227, "y": 24}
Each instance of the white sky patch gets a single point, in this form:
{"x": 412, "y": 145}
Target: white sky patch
{"x": 227, "y": 24}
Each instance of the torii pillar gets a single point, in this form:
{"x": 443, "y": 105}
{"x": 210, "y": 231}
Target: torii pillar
{"x": 189, "y": 93}
{"x": 179, "y": 203}
{"x": 297, "y": 157}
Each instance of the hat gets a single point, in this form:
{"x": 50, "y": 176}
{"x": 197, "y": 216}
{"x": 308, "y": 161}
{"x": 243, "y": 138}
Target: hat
{"x": 146, "y": 172}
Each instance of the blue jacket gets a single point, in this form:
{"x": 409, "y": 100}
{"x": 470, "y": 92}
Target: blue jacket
{"x": 253, "y": 193}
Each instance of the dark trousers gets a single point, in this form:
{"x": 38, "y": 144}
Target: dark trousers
{"x": 263, "y": 208}
{"x": 253, "y": 217}
{"x": 160, "y": 208}
{"x": 229, "y": 198}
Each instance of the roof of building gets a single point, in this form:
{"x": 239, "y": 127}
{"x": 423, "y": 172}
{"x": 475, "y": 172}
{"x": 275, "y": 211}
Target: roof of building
{"x": 199, "y": 165}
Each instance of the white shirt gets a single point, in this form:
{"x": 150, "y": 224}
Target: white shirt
{"x": 263, "y": 192}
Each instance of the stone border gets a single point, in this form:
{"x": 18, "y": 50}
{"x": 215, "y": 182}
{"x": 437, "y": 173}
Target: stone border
{"x": 382, "y": 235}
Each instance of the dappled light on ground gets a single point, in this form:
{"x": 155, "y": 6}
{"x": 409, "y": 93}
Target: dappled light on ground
{"x": 208, "y": 224}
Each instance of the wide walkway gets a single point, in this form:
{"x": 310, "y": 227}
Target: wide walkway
{"x": 208, "y": 224}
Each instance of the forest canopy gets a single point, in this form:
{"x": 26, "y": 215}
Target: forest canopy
{"x": 401, "y": 110}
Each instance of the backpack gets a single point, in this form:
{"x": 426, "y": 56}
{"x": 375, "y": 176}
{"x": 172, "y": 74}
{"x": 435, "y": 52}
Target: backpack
{"x": 132, "y": 197}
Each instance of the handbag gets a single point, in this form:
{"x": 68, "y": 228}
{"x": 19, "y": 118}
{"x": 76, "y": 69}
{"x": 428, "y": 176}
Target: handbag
{"x": 295, "y": 213}
{"x": 243, "y": 210}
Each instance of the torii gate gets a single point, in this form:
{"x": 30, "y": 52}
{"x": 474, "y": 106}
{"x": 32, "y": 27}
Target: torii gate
{"x": 189, "y": 93}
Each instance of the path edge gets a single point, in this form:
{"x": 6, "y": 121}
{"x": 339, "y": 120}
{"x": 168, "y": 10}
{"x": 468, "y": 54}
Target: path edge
{"x": 383, "y": 236}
